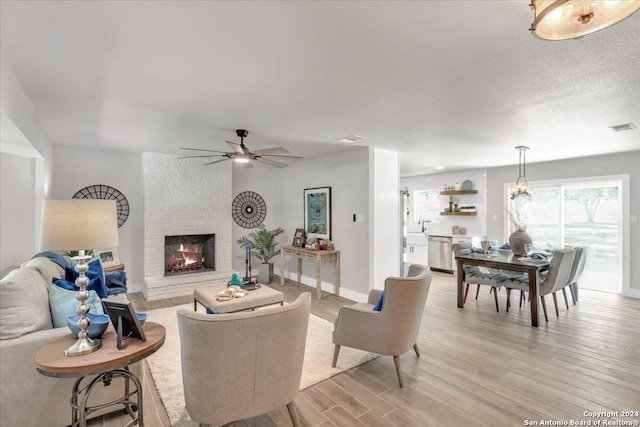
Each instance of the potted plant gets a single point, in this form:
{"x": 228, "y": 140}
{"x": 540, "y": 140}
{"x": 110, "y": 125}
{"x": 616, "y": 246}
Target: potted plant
{"x": 264, "y": 246}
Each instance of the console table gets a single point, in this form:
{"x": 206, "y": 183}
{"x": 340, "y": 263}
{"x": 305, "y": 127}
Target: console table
{"x": 318, "y": 257}
{"x": 107, "y": 363}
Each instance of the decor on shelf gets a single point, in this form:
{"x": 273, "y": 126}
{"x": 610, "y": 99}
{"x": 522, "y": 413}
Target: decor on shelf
{"x": 248, "y": 209}
{"x": 317, "y": 212}
{"x": 79, "y": 223}
{"x": 108, "y": 257}
{"x": 241, "y": 154}
{"x": 570, "y": 19}
{"x": 521, "y": 187}
{"x": 262, "y": 244}
{"x": 104, "y": 192}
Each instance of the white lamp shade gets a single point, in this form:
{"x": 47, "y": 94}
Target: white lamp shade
{"x": 568, "y": 19}
{"x": 78, "y": 224}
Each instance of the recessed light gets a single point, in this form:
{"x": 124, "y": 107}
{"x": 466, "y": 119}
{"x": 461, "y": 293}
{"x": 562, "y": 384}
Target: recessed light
{"x": 439, "y": 167}
{"x": 352, "y": 138}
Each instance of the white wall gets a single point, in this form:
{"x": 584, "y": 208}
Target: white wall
{"x": 282, "y": 190}
{"x": 76, "y": 169}
{"x": 34, "y": 179}
{"x": 18, "y": 210}
{"x": 605, "y": 165}
{"x": 384, "y": 225}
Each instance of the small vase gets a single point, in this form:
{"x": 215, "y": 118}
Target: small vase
{"x": 517, "y": 241}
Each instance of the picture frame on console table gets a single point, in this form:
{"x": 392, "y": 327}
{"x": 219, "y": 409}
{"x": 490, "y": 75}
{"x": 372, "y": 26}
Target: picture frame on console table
{"x": 317, "y": 212}
{"x": 298, "y": 238}
{"x": 108, "y": 257}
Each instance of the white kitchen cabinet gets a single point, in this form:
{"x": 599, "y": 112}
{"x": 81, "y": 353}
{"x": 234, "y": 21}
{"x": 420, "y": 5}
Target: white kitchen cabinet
{"x": 416, "y": 249}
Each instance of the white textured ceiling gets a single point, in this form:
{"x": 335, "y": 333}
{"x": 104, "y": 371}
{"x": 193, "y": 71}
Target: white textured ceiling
{"x": 452, "y": 83}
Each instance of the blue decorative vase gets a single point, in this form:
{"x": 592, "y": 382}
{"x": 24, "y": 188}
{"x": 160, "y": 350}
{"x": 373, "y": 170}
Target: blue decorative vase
{"x": 517, "y": 241}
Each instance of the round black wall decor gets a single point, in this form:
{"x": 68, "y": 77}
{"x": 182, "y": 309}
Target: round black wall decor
{"x": 248, "y": 209}
{"x": 106, "y": 193}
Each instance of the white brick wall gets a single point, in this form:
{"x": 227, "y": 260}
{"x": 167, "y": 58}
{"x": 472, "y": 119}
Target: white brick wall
{"x": 182, "y": 196}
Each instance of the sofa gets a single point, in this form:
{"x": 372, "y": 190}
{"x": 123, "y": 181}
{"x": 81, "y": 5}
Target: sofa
{"x": 29, "y": 398}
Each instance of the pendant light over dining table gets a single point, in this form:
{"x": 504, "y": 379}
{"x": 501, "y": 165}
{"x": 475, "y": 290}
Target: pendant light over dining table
{"x": 521, "y": 187}
{"x": 570, "y": 19}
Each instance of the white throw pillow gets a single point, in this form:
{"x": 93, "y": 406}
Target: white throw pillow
{"x": 47, "y": 268}
{"x": 24, "y": 303}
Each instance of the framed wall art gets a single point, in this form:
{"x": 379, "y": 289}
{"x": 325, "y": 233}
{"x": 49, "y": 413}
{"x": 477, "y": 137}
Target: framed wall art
{"x": 108, "y": 257}
{"x": 317, "y": 212}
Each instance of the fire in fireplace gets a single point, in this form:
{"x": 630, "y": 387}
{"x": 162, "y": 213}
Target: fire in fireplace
{"x": 189, "y": 254}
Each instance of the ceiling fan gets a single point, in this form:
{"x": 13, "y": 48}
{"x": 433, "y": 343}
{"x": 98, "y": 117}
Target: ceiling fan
{"x": 241, "y": 154}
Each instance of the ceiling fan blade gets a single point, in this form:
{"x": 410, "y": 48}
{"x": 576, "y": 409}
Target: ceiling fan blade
{"x": 195, "y": 157}
{"x": 202, "y": 149}
{"x": 236, "y": 147}
{"x": 271, "y": 163}
{"x": 277, "y": 156}
{"x": 217, "y": 161}
{"x": 274, "y": 150}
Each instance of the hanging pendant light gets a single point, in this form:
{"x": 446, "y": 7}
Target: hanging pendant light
{"x": 570, "y": 19}
{"x": 521, "y": 187}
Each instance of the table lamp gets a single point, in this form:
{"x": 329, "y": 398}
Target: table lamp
{"x": 79, "y": 224}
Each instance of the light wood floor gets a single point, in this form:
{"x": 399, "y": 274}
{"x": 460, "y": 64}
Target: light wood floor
{"x": 477, "y": 368}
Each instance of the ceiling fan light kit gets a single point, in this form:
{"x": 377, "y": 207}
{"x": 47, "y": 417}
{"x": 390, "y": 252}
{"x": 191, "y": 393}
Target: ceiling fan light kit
{"x": 571, "y": 19}
{"x": 241, "y": 154}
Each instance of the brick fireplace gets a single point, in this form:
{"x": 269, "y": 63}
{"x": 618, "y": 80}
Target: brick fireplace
{"x": 182, "y": 197}
{"x": 187, "y": 254}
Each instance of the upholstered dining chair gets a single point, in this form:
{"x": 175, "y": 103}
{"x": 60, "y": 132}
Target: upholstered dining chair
{"x": 555, "y": 280}
{"x": 474, "y": 275}
{"x": 240, "y": 365}
{"x": 393, "y": 330}
{"x": 577, "y": 268}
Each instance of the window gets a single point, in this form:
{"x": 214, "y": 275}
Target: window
{"x": 427, "y": 205}
{"x": 586, "y": 213}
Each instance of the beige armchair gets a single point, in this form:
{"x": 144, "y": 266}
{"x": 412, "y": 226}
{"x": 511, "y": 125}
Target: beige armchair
{"x": 391, "y": 331}
{"x": 240, "y": 365}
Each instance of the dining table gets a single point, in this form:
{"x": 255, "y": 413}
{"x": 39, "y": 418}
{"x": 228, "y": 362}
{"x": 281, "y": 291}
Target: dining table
{"x": 508, "y": 262}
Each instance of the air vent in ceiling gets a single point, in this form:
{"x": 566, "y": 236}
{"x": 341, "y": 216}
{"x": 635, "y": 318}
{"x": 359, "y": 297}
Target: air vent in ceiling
{"x": 620, "y": 128}
{"x": 352, "y": 138}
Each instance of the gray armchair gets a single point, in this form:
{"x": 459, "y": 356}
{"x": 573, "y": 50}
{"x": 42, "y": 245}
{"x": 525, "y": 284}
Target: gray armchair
{"x": 240, "y": 365}
{"x": 393, "y": 330}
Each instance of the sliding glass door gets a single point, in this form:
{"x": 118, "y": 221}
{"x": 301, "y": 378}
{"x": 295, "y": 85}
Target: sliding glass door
{"x": 587, "y": 214}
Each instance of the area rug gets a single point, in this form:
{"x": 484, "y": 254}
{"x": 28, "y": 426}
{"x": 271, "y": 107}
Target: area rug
{"x": 166, "y": 368}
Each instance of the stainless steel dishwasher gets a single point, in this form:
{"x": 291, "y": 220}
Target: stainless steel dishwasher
{"x": 440, "y": 256}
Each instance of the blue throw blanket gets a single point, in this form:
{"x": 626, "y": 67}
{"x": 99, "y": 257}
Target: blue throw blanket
{"x": 54, "y": 257}
{"x": 116, "y": 282}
